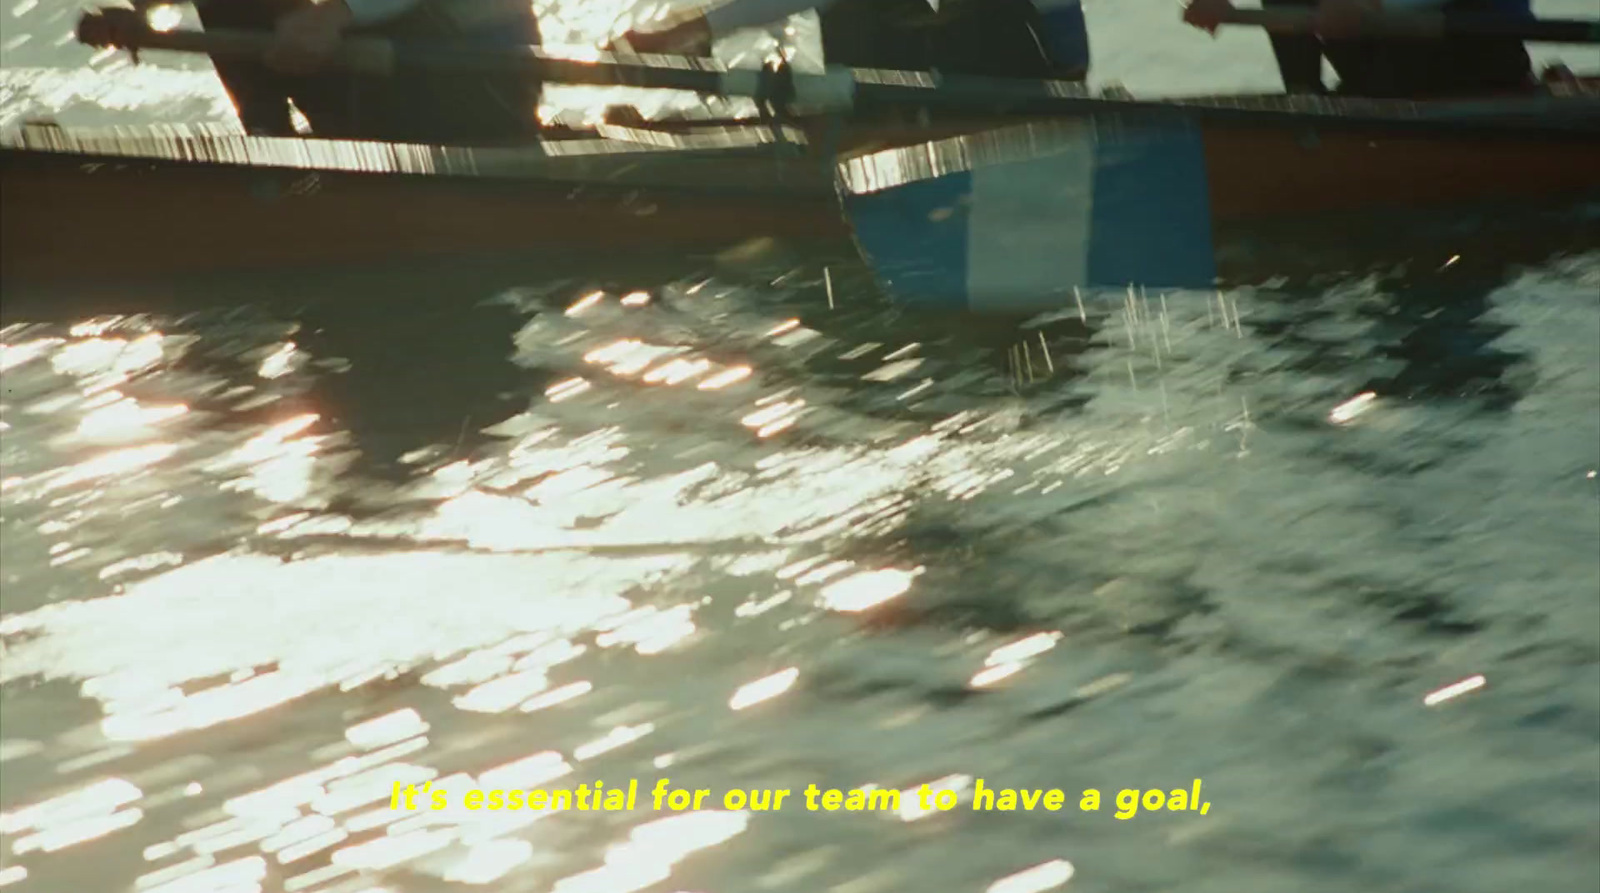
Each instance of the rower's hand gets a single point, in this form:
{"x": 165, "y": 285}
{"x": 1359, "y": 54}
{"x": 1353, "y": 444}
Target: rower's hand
{"x": 1340, "y": 19}
{"x": 689, "y": 37}
{"x": 305, "y": 39}
{"x": 1207, "y": 15}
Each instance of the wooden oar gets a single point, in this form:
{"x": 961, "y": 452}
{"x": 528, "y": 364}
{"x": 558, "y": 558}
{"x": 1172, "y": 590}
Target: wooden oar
{"x": 837, "y": 90}
{"x": 1429, "y": 25}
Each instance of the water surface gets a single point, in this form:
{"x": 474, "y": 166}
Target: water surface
{"x": 744, "y": 524}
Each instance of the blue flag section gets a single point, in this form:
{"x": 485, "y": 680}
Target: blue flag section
{"x": 1012, "y": 220}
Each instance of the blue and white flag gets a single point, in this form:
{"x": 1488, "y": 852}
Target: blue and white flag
{"x": 1014, "y": 219}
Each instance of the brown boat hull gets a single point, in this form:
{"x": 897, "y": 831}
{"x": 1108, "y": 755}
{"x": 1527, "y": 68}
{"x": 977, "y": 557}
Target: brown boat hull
{"x": 1261, "y": 173}
{"x": 63, "y": 219}
{"x": 87, "y": 211}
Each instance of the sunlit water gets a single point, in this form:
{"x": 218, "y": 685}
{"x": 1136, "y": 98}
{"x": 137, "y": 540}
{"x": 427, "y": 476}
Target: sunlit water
{"x": 754, "y": 528}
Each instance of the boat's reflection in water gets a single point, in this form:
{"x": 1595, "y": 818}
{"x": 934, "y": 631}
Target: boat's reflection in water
{"x": 263, "y": 563}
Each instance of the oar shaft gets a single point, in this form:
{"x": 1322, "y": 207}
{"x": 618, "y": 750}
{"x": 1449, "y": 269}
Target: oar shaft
{"x": 1429, "y": 25}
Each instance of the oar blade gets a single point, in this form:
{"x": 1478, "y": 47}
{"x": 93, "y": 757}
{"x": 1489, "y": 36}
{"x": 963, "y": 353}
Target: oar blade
{"x": 1013, "y": 220}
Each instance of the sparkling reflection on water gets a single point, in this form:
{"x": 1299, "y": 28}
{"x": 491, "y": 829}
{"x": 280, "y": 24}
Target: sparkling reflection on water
{"x": 260, "y": 565}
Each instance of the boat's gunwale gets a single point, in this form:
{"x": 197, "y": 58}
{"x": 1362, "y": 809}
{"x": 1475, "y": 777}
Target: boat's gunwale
{"x": 622, "y": 167}
{"x": 688, "y": 141}
{"x": 657, "y": 189}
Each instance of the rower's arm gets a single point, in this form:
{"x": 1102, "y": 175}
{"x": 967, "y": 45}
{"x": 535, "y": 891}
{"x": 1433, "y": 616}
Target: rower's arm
{"x": 372, "y": 12}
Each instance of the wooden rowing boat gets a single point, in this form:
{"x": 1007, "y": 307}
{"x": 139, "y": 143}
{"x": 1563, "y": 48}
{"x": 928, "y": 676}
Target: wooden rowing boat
{"x": 82, "y": 206}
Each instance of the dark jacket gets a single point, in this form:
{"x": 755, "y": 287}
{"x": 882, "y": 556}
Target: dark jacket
{"x": 1453, "y": 66}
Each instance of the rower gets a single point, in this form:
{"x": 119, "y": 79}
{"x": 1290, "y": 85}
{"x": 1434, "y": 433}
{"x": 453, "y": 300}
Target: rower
{"x": 407, "y": 106}
{"x": 994, "y": 38}
{"x": 1392, "y": 68}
